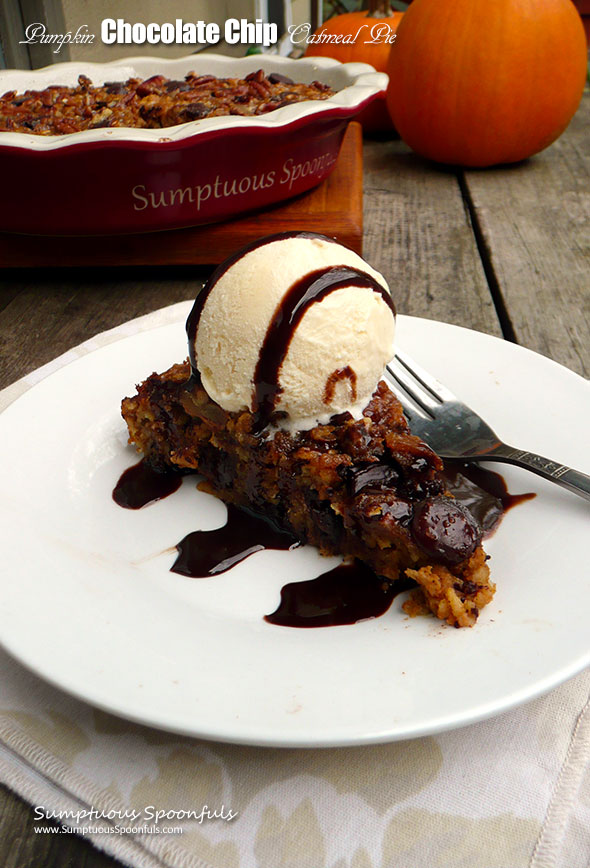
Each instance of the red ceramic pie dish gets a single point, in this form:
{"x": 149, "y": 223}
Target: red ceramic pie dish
{"x": 122, "y": 180}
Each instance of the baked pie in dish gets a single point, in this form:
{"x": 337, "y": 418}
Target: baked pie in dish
{"x": 282, "y": 410}
{"x": 149, "y": 158}
{"x": 154, "y": 103}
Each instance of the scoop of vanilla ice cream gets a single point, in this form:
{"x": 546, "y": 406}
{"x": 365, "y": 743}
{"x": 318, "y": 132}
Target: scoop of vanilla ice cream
{"x": 336, "y": 354}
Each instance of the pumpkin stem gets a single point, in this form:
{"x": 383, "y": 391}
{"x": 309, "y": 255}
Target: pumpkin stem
{"x": 379, "y": 9}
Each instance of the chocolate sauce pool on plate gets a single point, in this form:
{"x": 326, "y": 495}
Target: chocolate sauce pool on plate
{"x": 347, "y": 594}
{"x": 140, "y": 485}
{"x": 482, "y": 491}
{"x": 344, "y": 595}
{"x": 209, "y": 552}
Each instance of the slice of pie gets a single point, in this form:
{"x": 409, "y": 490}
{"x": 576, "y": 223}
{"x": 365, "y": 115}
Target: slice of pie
{"x": 355, "y": 484}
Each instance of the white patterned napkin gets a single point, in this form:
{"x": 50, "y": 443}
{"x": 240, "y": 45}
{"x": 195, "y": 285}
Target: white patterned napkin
{"x": 512, "y": 792}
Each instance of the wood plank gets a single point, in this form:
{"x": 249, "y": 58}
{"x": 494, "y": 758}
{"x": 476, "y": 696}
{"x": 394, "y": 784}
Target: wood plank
{"x": 418, "y": 234}
{"x": 15, "y": 50}
{"x": 534, "y": 219}
{"x": 50, "y": 13}
{"x": 45, "y": 313}
{"x": 334, "y": 208}
{"x": 20, "y": 847}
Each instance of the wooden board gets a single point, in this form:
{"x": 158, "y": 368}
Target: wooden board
{"x": 334, "y": 208}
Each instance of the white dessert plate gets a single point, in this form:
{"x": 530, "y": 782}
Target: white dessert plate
{"x": 89, "y": 603}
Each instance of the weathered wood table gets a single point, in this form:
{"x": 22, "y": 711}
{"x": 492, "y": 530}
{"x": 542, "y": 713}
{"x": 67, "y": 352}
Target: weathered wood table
{"x": 504, "y": 251}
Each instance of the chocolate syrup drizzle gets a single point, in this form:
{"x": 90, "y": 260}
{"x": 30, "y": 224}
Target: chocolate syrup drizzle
{"x": 194, "y": 316}
{"x": 311, "y": 288}
{"x": 301, "y": 295}
{"x": 336, "y": 377}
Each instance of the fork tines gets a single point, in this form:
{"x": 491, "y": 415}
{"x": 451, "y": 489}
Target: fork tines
{"x": 418, "y": 391}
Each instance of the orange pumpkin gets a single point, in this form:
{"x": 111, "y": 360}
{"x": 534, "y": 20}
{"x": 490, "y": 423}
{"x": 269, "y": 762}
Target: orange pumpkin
{"x": 479, "y": 83}
{"x": 363, "y": 37}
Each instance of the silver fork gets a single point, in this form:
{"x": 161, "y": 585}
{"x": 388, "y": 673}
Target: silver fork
{"x": 454, "y": 430}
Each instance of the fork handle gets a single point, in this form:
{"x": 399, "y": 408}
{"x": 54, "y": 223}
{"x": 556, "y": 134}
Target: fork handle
{"x": 573, "y": 480}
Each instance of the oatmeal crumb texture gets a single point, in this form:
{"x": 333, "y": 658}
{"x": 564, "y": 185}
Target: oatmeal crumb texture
{"x": 350, "y": 488}
{"x": 454, "y": 600}
{"x": 152, "y": 103}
